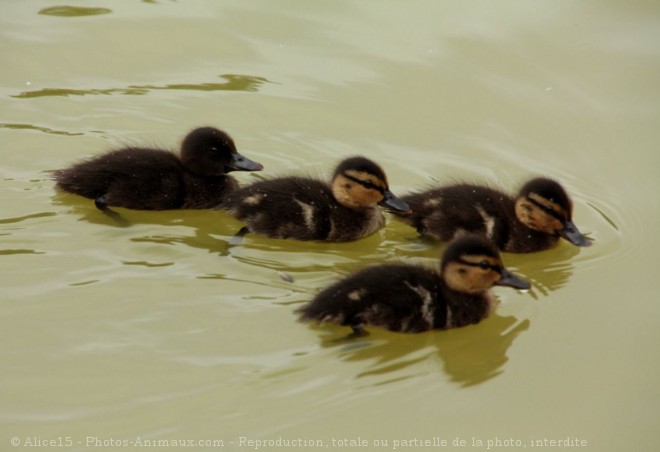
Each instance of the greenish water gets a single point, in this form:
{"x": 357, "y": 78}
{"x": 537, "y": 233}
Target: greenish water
{"x": 161, "y": 332}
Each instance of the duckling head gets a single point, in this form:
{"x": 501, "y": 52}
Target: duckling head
{"x": 207, "y": 151}
{"x": 543, "y": 205}
{"x": 358, "y": 183}
{"x": 472, "y": 264}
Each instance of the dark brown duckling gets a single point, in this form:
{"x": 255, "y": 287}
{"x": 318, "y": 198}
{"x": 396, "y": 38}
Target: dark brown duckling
{"x": 304, "y": 208}
{"x": 533, "y": 221}
{"x": 157, "y": 179}
{"x": 412, "y": 298}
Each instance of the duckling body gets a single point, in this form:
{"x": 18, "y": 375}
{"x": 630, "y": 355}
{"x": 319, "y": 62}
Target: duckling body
{"x": 533, "y": 221}
{"x": 157, "y": 179}
{"x": 412, "y": 299}
{"x": 304, "y": 208}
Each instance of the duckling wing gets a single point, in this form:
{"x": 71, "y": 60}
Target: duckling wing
{"x": 135, "y": 178}
{"x": 396, "y": 297}
{"x": 288, "y": 207}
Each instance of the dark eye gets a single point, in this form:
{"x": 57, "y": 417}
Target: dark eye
{"x": 367, "y": 184}
{"x": 484, "y": 265}
{"x": 214, "y": 150}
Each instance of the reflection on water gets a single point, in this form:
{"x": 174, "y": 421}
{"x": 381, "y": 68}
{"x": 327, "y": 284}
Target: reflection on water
{"x": 9, "y": 252}
{"x": 16, "y": 224}
{"x": 207, "y": 225}
{"x": 73, "y": 11}
{"x": 471, "y": 359}
{"x": 199, "y": 240}
{"x": 605, "y": 216}
{"x": 234, "y": 82}
{"x": 148, "y": 264}
{"x": 548, "y": 270}
{"x": 26, "y": 217}
{"x": 469, "y": 355}
{"x": 40, "y": 129}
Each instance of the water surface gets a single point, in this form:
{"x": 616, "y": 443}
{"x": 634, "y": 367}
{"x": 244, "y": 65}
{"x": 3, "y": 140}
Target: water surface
{"x": 161, "y": 331}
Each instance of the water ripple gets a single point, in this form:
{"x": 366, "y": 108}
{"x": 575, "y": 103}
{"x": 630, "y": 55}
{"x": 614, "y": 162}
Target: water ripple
{"x": 73, "y": 11}
{"x": 40, "y": 129}
{"x": 234, "y": 82}
{"x": 26, "y": 217}
{"x": 19, "y": 251}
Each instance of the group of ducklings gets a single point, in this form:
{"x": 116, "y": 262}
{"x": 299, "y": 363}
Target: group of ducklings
{"x": 477, "y": 220}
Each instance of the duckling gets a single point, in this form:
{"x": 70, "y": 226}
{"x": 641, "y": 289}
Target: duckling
{"x": 412, "y": 298}
{"x": 533, "y": 221}
{"x": 157, "y": 179}
{"x": 304, "y": 208}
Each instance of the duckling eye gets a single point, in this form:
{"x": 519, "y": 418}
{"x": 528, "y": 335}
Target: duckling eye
{"x": 554, "y": 214}
{"x": 214, "y": 150}
{"x": 484, "y": 265}
{"x": 367, "y": 184}
{"x": 548, "y": 210}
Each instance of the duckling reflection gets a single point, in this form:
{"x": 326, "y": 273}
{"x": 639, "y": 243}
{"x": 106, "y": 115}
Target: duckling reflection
{"x": 157, "y": 179}
{"x": 303, "y": 208}
{"x": 547, "y": 271}
{"x": 470, "y": 360}
{"x": 411, "y": 298}
{"x": 468, "y": 356}
{"x": 192, "y": 228}
{"x": 533, "y": 221}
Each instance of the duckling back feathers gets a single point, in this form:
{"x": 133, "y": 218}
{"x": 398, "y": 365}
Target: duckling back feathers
{"x": 394, "y": 296}
{"x": 156, "y": 179}
{"x": 138, "y": 178}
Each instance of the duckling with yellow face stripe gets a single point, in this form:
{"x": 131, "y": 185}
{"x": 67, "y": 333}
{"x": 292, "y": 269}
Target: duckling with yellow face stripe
{"x": 533, "y": 221}
{"x": 412, "y": 299}
{"x": 304, "y": 208}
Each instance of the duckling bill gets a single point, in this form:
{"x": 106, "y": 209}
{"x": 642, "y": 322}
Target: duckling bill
{"x": 411, "y": 298}
{"x": 157, "y": 179}
{"x": 303, "y": 208}
{"x": 539, "y": 215}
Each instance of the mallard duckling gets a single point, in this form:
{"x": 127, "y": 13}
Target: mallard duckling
{"x": 157, "y": 179}
{"x": 304, "y": 208}
{"x": 412, "y": 298}
{"x": 533, "y": 221}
